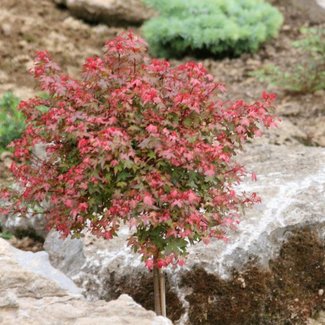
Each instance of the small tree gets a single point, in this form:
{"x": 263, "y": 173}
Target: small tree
{"x": 135, "y": 142}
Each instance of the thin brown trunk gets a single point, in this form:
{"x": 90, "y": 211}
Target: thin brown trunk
{"x": 162, "y": 292}
{"x": 156, "y": 290}
{"x": 159, "y": 291}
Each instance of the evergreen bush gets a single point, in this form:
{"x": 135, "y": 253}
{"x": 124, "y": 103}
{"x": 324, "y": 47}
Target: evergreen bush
{"x": 216, "y": 28}
{"x": 11, "y": 119}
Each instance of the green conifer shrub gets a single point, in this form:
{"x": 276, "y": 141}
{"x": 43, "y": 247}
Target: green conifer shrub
{"x": 216, "y": 28}
{"x": 11, "y": 119}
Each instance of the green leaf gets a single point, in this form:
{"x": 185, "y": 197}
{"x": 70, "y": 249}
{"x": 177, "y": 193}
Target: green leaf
{"x": 6, "y": 235}
{"x": 152, "y": 154}
{"x": 188, "y": 122}
{"x": 121, "y": 184}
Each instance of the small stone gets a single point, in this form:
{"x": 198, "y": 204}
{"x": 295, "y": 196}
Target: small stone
{"x": 3, "y": 76}
{"x": 23, "y": 44}
{"x": 242, "y": 282}
{"x": 320, "y": 292}
{"x": 253, "y": 63}
{"x": 286, "y": 28}
{"x": 319, "y": 93}
{"x": 7, "y": 162}
{"x": 101, "y": 29}
{"x": 271, "y": 52}
{"x": 5, "y": 155}
{"x": 74, "y": 24}
{"x": 6, "y": 29}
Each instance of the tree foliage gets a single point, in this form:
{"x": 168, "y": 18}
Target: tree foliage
{"x": 211, "y": 27}
{"x": 135, "y": 142}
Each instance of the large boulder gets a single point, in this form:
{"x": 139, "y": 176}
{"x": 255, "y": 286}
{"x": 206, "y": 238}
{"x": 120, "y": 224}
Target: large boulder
{"x": 285, "y": 231}
{"x": 31, "y": 272}
{"x": 29, "y": 296}
{"x": 110, "y": 12}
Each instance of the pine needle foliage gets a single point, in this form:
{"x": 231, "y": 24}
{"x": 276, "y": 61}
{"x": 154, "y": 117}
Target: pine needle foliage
{"x": 217, "y": 28}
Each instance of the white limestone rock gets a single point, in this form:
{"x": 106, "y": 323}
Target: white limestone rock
{"x": 29, "y": 297}
{"x": 291, "y": 182}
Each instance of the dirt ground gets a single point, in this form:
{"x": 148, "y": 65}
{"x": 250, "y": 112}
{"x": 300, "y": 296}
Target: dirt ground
{"x": 29, "y": 25}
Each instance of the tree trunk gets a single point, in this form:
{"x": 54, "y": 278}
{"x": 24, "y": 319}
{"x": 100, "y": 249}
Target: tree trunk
{"x": 159, "y": 291}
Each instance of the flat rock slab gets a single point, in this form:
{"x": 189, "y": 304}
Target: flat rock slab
{"x": 66, "y": 310}
{"x": 31, "y": 298}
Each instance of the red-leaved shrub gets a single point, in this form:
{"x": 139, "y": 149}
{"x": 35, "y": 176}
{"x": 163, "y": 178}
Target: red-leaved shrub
{"x": 135, "y": 142}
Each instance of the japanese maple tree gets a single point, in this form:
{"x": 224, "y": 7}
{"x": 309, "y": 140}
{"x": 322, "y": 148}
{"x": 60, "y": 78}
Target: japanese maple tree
{"x": 135, "y": 142}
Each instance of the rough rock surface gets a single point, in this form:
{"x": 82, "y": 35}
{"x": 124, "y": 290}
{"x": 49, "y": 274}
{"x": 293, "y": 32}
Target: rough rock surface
{"x": 31, "y": 268}
{"x": 291, "y": 182}
{"x": 25, "y": 225}
{"x": 110, "y": 12}
{"x": 286, "y": 134}
{"x": 29, "y": 298}
{"x": 315, "y": 9}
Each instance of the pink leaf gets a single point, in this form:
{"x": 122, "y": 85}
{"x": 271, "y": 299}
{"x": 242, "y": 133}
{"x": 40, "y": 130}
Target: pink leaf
{"x": 151, "y": 128}
{"x": 148, "y": 200}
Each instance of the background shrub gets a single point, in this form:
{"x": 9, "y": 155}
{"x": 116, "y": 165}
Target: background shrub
{"x": 5, "y": 234}
{"x": 11, "y": 120}
{"x": 211, "y": 27}
{"x": 308, "y": 75}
